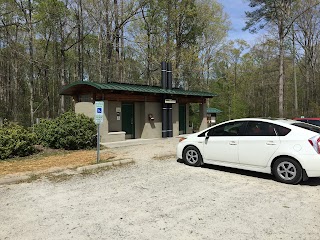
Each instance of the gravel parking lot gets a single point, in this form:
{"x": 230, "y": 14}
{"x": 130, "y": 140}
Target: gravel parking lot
{"x": 160, "y": 198}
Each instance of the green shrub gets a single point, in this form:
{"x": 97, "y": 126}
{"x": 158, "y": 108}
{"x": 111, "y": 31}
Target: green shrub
{"x": 16, "y": 141}
{"x": 69, "y": 131}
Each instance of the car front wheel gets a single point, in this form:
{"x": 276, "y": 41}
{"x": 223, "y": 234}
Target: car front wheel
{"x": 287, "y": 170}
{"x": 192, "y": 156}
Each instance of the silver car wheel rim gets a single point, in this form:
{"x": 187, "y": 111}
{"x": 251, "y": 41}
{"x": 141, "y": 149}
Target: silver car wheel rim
{"x": 192, "y": 156}
{"x": 287, "y": 171}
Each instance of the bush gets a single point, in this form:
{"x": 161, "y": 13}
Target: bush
{"x": 16, "y": 141}
{"x": 69, "y": 131}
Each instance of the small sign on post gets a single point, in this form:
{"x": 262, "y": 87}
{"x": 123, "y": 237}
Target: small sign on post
{"x": 98, "y": 118}
{"x": 99, "y": 112}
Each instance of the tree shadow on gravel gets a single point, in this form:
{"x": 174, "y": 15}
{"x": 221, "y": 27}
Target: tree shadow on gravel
{"x": 310, "y": 182}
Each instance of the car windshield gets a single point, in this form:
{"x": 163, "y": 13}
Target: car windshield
{"x": 307, "y": 126}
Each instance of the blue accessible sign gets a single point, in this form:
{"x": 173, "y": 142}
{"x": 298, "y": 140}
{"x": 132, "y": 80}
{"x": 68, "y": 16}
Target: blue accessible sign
{"x": 98, "y": 117}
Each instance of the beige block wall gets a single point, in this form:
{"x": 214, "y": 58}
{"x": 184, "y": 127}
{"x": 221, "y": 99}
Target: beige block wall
{"x": 114, "y": 124}
{"x": 143, "y": 127}
{"x": 138, "y": 118}
{"x": 153, "y": 128}
{"x": 88, "y": 108}
{"x": 203, "y": 116}
{"x": 175, "y": 119}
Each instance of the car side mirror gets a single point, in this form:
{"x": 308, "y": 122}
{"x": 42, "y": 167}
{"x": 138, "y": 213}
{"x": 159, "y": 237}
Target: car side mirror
{"x": 206, "y": 135}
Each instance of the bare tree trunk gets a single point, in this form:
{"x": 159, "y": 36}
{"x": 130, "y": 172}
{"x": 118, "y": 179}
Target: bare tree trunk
{"x": 122, "y": 55}
{"x": 108, "y": 41}
{"x": 117, "y": 39}
{"x": 148, "y": 74}
{"x": 281, "y": 70}
{"x": 31, "y": 64}
{"x": 100, "y": 50}
{"x": 294, "y": 74}
{"x": 148, "y": 68}
{"x": 63, "y": 78}
{"x": 80, "y": 41}
{"x": 307, "y": 95}
{"x": 15, "y": 88}
{"x": 167, "y": 57}
{"x": 14, "y": 62}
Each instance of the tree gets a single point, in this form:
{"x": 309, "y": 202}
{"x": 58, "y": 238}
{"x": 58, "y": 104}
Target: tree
{"x": 277, "y": 12}
{"x": 307, "y": 34}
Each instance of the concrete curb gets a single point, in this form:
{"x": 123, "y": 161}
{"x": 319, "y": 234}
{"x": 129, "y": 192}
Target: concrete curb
{"x": 129, "y": 143}
{"x": 15, "y": 179}
{"x": 11, "y": 179}
{"x": 101, "y": 165}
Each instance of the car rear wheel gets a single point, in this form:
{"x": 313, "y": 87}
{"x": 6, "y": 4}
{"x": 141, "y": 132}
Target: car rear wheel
{"x": 192, "y": 156}
{"x": 287, "y": 170}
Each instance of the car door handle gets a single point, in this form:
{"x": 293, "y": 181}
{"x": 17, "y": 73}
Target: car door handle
{"x": 232, "y": 143}
{"x": 271, "y": 143}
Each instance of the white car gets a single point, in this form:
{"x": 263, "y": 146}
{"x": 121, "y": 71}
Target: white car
{"x": 288, "y": 149}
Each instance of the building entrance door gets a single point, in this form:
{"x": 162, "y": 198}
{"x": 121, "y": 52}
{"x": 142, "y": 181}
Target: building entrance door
{"x": 128, "y": 119}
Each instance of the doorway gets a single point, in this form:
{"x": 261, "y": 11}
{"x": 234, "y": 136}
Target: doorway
{"x": 127, "y": 110}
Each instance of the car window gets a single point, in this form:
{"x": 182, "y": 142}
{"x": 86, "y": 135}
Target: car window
{"x": 257, "y": 128}
{"x": 302, "y": 120}
{"x": 310, "y": 127}
{"x": 228, "y": 129}
{"x": 281, "y": 131}
{"x": 314, "y": 122}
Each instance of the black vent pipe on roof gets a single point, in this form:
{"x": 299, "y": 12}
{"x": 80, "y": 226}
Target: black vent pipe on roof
{"x": 164, "y": 105}
{"x": 164, "y": 75}
{"x": 169, "y": 75}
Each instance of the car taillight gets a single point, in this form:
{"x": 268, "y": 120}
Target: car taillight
{"x": 315, "y": 143}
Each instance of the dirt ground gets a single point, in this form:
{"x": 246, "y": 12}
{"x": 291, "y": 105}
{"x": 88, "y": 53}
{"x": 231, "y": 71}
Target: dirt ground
{"x": 160, "y": 198}
{"x": 39, "y": 162}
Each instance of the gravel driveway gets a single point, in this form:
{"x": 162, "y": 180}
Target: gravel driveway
{"x": 161, "y": 199}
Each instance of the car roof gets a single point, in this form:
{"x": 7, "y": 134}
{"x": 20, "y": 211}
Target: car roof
{"x": 288, "y": 123}
{"x": 306, "y": 119}
{"x": 271, "y": 120}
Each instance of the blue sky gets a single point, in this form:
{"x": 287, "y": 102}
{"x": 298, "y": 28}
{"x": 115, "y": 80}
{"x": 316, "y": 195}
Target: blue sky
{"x": 236, "y": 11}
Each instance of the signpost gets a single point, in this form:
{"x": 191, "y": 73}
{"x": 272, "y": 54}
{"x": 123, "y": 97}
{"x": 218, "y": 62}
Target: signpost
{"x": 98, "y": 118}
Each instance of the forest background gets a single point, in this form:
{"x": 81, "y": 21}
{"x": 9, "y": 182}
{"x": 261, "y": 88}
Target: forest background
{"x": 46, "y": 44}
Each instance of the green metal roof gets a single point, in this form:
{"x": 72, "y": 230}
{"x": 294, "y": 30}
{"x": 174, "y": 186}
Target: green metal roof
{"x": 133, "y": 88}
{"x": 213, "y": 110}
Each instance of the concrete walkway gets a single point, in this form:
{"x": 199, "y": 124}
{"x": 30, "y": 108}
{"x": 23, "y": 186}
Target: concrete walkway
{"x": 129, "y": 142}
{"x": 135, "y": 142}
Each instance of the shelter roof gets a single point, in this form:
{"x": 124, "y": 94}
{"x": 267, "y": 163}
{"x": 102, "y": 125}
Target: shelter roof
{"x": 213, "y": 110}
{"x": 86, "y": 87}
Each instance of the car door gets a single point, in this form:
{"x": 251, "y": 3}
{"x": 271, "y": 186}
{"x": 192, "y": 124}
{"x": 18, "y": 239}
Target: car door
{"x": 259, "y": 143}
{"x": 221, "y": 143}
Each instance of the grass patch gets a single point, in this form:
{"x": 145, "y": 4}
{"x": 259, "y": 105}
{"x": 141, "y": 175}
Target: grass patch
{"x": 105, "y": 160}
{"x": 51, "y": 177}
{"x": 52, "y": 159}
{"x": 103, "y": 169}
{"x": 58, "y": 178}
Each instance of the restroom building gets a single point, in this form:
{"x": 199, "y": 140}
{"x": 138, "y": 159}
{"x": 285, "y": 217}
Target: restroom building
{"x": 133, "y": 111}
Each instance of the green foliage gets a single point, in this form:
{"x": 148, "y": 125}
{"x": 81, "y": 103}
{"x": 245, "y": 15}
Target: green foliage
{"x": 69, "y": 131}
{"x": 194, "y": 116}
{"x": 15, "y": 141}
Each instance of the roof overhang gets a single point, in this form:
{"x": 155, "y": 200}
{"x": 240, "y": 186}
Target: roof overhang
{"x": 106, "y": 89}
